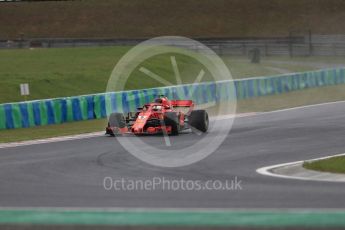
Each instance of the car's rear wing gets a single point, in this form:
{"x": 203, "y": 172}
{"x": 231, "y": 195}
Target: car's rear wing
{"x": 182, "y": 103}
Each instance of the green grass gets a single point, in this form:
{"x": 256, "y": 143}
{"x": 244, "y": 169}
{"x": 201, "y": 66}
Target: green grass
{"x": 259, "y": 104}
{"x": 56, "y": 72}
{"x": 75, "y": 71}
{"x": 333, "y": 165}
{"x": 310, "y": 59}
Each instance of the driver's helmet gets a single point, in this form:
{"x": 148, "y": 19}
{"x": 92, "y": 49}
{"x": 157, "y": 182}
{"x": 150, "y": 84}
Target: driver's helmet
{"x": 158, "y": 100}
{"x": 164, "y": 101}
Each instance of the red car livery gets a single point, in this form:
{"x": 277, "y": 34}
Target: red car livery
{"x": 161, "y": 116}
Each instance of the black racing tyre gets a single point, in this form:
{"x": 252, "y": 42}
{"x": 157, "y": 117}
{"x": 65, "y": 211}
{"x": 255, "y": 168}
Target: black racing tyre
{"x": 171, "y": 119}
{"x": 117, "y": 120}
{"x": 198, "y": 119}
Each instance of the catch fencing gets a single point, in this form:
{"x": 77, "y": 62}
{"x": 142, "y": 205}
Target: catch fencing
{"x": 300, "y": 44}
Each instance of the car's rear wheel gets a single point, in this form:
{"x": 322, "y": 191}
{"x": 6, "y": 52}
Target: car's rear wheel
{"x": 117, "y": 120}
{"x": 198, "y": 119}
{"x": 171, "y": 119}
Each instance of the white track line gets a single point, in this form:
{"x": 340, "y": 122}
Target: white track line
{"x": 50, "y": 140}
{"x": 301, "y": 107}
{"x": 267, "y": 171}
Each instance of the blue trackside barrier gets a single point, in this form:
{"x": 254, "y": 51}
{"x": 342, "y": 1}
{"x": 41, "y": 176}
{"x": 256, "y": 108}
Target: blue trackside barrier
{"x": 86, "y": 107}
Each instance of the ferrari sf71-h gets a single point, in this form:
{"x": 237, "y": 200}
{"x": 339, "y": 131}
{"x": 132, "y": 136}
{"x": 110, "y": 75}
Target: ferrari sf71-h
{"x": 161, "y": 116}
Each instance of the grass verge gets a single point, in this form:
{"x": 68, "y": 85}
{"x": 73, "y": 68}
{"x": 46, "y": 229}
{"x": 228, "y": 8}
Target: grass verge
{"x": 62, "y": 72}
{"x": 259, "y": 104}
{"x": 333, "y": 165}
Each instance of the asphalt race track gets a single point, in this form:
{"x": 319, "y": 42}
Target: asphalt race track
{"x": 71, "y": 173}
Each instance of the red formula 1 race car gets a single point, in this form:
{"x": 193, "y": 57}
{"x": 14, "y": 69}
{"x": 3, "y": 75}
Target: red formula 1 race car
{"x": 160, "y": 116}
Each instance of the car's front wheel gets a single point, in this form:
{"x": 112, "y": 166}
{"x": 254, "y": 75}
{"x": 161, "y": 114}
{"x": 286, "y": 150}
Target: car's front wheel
{"x": 171, "y": 119}
{"x": 198, "y": 119}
